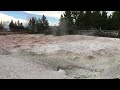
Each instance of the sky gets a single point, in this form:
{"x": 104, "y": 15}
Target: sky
{"x": 23, "y": 16}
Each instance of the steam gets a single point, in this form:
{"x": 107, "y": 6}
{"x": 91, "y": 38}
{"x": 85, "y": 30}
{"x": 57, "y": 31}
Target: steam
{"x": 63, "y": 28}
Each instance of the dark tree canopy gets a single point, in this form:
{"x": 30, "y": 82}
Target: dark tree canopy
{"x": 85, "y": 20}
{"x": 1, "y": 25}
{"x": 38, "y": 25}
{"x": 16, "y": 26}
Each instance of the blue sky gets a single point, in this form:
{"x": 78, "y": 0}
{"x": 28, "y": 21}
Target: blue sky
{"x": 23, "y": 16}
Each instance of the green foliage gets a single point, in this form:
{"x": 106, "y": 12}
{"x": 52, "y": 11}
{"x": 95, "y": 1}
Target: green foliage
{"x": 44, "y": 25}
{"x": 38, "y": 25}
{"x": 11, "y": 25}
{"x": 116, "y": 20}
{"x": 16, "y": 27}
{"x": 32, "y": 25}
{"x": 85, "y": 20}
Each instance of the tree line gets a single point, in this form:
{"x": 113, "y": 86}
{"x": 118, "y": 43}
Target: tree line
{"x": 38, "y": 25}
{"x": 35, "y": 25}
{"x": 16, "y": 26}
{"x": 86, "y": 20}
{"x": 70, "y": 21}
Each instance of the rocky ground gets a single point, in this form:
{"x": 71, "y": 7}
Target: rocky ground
{"x": 59, "y": 57}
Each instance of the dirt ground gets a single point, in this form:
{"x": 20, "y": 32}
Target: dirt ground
{"x": 35, "y": 56}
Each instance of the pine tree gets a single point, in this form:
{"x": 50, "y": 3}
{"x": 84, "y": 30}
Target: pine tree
{"x": 32, "y": 25}
{"x": 21, "y": 27}
{"x": 18, "y": 26}
{"x": 29, "y": 25}
{"x": 11, "y": 25}
{"x": 109, "y": 23}
{"x": 1, "y": 25}
{"x": 74, "y": 15}
{"x": 116, "y": 20}
{"x": 38, "y": 25}
{"x": 15, "y": 26}
{"x": 44, "y": 25}
{"x": 80, "y": 20}
{"x": 103, "y": 22}
{"x": 62, "y": 26}
{"x": 88, "y": 20}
